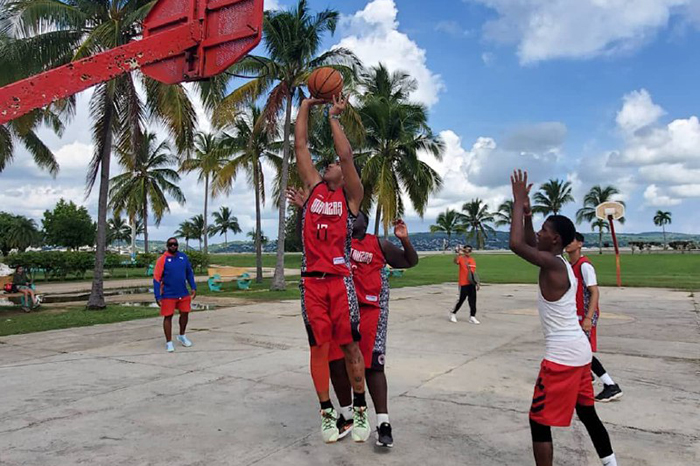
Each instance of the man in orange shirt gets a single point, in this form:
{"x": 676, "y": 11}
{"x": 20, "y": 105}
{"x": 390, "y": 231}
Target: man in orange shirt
{"x": 468, "y": 283}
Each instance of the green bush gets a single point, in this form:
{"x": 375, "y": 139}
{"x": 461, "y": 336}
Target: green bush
{"x": 199, "y": 260}
{"x": 54, "y": 264}
{"x": 144, "y": 260}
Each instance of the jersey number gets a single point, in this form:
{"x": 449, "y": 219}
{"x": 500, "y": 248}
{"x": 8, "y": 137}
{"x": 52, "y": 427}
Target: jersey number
{"x": 322, "y": 232}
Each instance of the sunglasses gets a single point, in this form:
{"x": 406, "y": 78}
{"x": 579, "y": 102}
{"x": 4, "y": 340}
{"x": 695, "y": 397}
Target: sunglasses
{"x": 170, "y": 245}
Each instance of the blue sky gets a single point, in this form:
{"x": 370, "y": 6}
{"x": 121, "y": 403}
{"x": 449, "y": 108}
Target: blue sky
{"x": 568, "y": 89}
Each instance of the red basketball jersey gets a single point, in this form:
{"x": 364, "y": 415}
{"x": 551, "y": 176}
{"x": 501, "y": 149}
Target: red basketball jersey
{"x": 326, "y": 232}
{"x": 367, "y": 260}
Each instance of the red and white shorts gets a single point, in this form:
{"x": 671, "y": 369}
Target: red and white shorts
{"x": 372, "y": 352}
{"x": 168, "y": 305}
{"x": 558, "y": 390}
{"x": 330, "y": 310}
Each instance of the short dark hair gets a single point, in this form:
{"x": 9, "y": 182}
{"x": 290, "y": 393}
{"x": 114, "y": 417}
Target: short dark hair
{"x": 579, "y": 237}
{"x": 564, "y": 227}
{"x": 168, "y": 240}
{"x": 468, "y": 246}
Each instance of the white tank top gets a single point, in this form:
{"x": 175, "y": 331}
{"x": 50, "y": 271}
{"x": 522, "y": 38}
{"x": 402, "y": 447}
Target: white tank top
{"x": 565, "y": 341}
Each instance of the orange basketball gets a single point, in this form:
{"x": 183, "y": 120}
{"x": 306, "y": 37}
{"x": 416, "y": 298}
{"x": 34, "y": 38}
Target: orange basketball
{"x": 324, "y": 83}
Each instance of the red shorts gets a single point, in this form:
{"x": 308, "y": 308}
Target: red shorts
{"x": 330, "y": 310}
{"x": 168, "y": 305}
{"x": 558, "y": 390}
{"x": 369, "y": 324}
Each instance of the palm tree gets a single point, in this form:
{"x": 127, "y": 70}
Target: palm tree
{"x": 292, "y": 40}
{"x": 224, "y": 222}
{"x": 146, "y": 181}
{"x": 601, "y": 225}
{"x": 504, "y": 215}
{"x": 208, "y": 160}
{"x": 448, "y": 222}
{"x": 119, "y": 230}
{"x": 251, "y": 144}
{"x": 186, "y": 230}
{"x": 596, "y": 196}
{"x": 396, "y": 131}
{"x": 253, "y": 235}
{"x": 17, "y": 232}
{"x": 552, "y": 197}
{"x": 475, "y": 219}
{"x": 50, "y": 33}
{"x": 661, "y": 219}
{"x": 198, "y": 231}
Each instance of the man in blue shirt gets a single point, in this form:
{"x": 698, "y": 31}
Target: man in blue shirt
{"x": 171, "y": 275}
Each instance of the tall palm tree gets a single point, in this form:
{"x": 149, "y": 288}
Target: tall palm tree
{"x": 225, "y": 221}
{"x": 596, "y": 196}
{"x": 292, "y": 39}
{"x": 396, "y": 131}
{"x": 198, "y": 231}
{"x": 504, "y": 215}
{"x": 146, "y": 181}
{"x": 17, "y": 232}
{"x": 253, "y": 235}
{"x": 661, "y": 219}
{"x": 552, "y": 196}
{"x": 448, "y": 222}
{"x": 475, "y": 219}
{"x": 119, "y": 230}
{"x": 250, "y": 145}
{"x": 186, "y": 230}
{"x": 50, "y": 33}
{"x": 601, "y": 225}
{"x": 209, "y": 158}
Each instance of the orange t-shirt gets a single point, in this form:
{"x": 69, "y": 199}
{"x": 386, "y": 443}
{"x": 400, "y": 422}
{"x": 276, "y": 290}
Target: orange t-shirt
{"x": 463, "y": 263}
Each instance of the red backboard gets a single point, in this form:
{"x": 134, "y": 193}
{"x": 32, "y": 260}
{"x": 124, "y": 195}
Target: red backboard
{"x": 225, "y": 31}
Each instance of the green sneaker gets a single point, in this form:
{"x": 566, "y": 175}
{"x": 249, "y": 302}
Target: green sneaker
{"x": 329, "y": 428}
{"x": 361, "y": 429}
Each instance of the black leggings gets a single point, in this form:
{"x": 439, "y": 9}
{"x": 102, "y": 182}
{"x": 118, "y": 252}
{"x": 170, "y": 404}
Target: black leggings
{"x": 594, "y": 426}
{"x": 597, "y": 367}
{"x": 467, "y": 291}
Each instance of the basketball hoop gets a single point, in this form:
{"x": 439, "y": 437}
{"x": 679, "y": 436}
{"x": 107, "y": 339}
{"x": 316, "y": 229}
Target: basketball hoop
{"x": 612, "y": 211}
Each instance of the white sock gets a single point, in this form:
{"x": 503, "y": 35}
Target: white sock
{"x": 605, "y": 378}
{"x": 609, "y": 460}
{"x": 382, "y": 418}
{"x": 346, "y": 411}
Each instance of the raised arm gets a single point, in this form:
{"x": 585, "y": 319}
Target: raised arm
{"x": 353, "y": 184}
{"x": 395, "y": 256}
{"x": 308, "y": 173}
{"x": 530, "y": 238}
{"x": 518, "y": 237}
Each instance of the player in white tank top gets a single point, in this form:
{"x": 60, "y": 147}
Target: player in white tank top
{"x": 565, "y": 341}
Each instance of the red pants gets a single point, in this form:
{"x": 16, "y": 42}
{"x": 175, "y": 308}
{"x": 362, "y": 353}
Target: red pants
{"x": 558, "y": 390}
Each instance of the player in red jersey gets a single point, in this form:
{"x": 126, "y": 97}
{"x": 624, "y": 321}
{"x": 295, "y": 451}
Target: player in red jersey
{"x": 329, "y": 302}
{"x": 369, "y": 257}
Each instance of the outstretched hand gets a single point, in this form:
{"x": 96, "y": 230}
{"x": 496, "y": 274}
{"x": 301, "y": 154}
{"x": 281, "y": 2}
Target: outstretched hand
{"x": 521, "y": 188}
{"x": 297, "y": 196}
{"x": 313, "y": 101}
{"x": 400, "y": 229}
{"x": 339, "y": 105}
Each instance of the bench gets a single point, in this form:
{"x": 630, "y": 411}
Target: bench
{"x": 220, "y": 274}
{"x": 12, "y": 296}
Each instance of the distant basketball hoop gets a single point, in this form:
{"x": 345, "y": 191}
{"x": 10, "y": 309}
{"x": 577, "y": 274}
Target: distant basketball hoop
{"x": 612, "y": 211}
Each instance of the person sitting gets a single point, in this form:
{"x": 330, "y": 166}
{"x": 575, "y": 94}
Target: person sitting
{"x": 22, "y": 281}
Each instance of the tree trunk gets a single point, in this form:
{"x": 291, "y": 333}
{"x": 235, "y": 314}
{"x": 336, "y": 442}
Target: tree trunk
{"x": 663, "y": 228}
{"x": 600, "y": 241}
{"x": 226, "y": 239}
{"x": 377, "y": 218}
{"x": 145, "y": 223}
{"x": 258, "y": 226}
{"x": 96, "y": 300}
{"x": 206, "y": 201}
{"x": 133, "y": 237}
{"x": 278, "y": 283}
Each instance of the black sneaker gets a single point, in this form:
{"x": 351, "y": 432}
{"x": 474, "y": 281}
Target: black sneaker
{"x": 344, "y": 426}
{"x": 609, "y": 393}
{"x": 384, "y": 438}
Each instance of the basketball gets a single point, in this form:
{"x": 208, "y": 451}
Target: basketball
{"x": 324, "y": 83}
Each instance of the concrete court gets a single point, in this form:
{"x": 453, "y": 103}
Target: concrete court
{"x": 459, "y": 393}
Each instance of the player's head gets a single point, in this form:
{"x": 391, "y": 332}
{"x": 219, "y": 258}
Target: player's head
{"x": 333, "y": 174}
{"x": 19, "y": 269}
{"x": 467, "y": 249}
{"x": 359, "y": 226}
{"x": 576, "y": 244}
{"x": 172, "y": 245}
{"x": 556, "y": 233}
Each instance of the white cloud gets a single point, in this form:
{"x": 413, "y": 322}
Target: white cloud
{"x": 272, "y": 5}
{"x": 554, "y": 29}
{"x": 373, "y": 35}
{"x": 488, "y": 58}
{"x": 638, "y": 111}
{"x": 655, "y": 197}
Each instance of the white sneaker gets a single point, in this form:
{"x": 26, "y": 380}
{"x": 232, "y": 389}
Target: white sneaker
{"x": 329, "y": 427}
{"x": 184, "y": 340}
{"x": 169, "y": 347}
{"x": 472, "y": 320}
{"x": 361, "y": 427}
{"x": 453, "y": 317}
